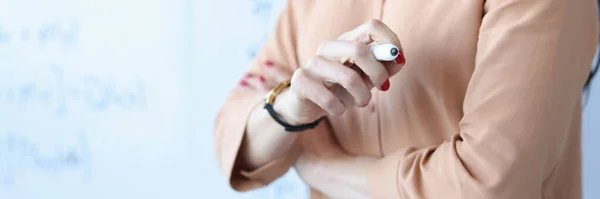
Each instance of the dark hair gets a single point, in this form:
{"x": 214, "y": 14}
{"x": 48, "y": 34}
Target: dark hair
{"x": 595, "y": 63}
{"x": 588, "y": 84}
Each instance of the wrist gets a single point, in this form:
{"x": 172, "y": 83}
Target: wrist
{"x": 288, "y": 107}
{"x": 283, "y": 106}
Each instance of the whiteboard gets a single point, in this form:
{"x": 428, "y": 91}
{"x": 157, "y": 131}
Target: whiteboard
{"x": 116, "y": 99}
{"x": 99, "y": 99}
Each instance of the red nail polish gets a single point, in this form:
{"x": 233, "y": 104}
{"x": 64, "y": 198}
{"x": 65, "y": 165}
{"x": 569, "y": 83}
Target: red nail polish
{"x": 269, "y": 63}
{"x": 262, "y": 79}
{"x": 386, "y": 85}
{"x": 249, "y": 75}
{"x": 244, "y": 83}
{"x": 400, "y": 59}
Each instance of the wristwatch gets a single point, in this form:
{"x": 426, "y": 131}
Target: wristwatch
{"x": 270, "y": 98}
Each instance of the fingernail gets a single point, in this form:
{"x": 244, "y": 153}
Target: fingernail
{"x": 249, "y": 75}
{"x": 243, "y": 83}
{"x": 400, "y": 59}
{"x": 269, "y": 63}
{"x": 386, "y": 85}
{"x": 262, "y": 79}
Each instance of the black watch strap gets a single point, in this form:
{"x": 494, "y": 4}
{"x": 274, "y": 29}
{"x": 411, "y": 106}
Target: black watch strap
{"x": 287, "y": 126}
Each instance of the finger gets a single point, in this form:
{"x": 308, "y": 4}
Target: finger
{"x": 360, "y": 55}
{"x": 372, "y": 31}
{"x": 317, "y": 93}
{"x": 330, "y": 71}
{"x": 376, "y": 31}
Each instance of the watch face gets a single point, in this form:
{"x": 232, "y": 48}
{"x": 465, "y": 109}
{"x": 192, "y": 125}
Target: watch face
{"x": 270, "y": 97}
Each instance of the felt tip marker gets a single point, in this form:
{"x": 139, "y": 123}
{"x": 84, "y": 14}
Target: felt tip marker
{"x": 385, "y": 52}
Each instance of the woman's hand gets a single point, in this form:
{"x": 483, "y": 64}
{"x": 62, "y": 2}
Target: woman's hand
{"x": 340, "y": 75}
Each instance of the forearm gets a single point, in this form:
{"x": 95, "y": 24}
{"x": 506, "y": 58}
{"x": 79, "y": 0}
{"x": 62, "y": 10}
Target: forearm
{"x": 265, "y": 140}
{"x": 343, "y": 176}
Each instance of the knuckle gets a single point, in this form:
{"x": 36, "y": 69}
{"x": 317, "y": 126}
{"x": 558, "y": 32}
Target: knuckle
{"x": 321, "y": 48}
{"x": 343, "y": 36}
{"x": 350, "y": 78}
{"x": 330, "y": 104}
{"x": 338, "y": 111}
{"x": 364, "y": 101}
{"x": 297, "y": 80}
{"x": 374, "y": 23}
{"x": 311, "y": 62}
{"x": 297, "y": 77}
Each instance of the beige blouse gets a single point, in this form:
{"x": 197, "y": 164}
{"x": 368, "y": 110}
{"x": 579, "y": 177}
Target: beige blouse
{"x": 488, "y": 104}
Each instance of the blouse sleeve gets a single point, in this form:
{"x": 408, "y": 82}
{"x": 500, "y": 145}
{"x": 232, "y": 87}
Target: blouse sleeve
{"x": 230, "y": 123}
{"x": 533, "y": 57}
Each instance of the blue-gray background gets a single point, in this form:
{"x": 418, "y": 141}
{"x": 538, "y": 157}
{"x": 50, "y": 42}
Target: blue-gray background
{"x": 116, "y": 98}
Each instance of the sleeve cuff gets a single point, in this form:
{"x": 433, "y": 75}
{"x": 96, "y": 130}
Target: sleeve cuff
{"x": 274, "y": 169}
{"x": 231, "y": 127}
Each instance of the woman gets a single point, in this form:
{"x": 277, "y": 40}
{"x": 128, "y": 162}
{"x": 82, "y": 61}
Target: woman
{"x": 484, "y": 100}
